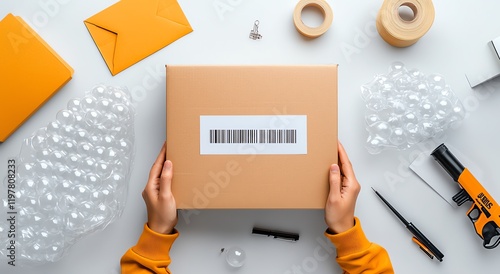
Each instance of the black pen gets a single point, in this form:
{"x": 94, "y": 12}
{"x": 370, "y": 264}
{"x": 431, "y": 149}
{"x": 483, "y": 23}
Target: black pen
{"x": 418, "y": 237}
{"x": 287, "y": 236}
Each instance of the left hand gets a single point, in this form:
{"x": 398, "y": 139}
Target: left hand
{"x": 160, "y": 202}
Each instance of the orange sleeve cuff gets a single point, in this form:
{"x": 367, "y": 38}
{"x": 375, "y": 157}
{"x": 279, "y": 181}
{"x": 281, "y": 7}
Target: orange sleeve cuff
{"x": 350, "y": 241}
{"x": 154, "y": 246}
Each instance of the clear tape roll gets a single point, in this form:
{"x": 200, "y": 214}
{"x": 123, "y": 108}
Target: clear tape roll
{"x": 305, "y": 30}
{"x": 402, "y": 33}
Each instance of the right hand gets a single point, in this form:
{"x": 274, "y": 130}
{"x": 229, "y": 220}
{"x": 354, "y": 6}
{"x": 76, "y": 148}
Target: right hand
{"x": 344, "y": 190}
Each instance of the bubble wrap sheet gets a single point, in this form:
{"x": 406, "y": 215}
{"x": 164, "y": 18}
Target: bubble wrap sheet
{"x": 405, "y": 107}
{"x": 72, "y": 176}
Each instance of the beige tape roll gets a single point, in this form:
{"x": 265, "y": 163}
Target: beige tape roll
{"x": 307, "y": 31}
{"x": 401, "y": 33}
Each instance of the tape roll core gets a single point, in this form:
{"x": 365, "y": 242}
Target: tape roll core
{"x": 413, "y": 9}
{"x": 305, "y": 30}
{"x": 399, "y": 32}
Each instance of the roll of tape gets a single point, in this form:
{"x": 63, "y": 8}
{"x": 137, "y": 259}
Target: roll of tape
{"x": 402, "y": 33}
{"x": 307, "y": 31}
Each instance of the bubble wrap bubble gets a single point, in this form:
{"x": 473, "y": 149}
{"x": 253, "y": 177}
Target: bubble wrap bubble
{"x": 405, "y": 107}
{"x": 72, "y": 176}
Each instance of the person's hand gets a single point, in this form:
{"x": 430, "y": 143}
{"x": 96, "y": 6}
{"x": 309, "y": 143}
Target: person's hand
{"x": 160, "y": 203}
{"x": 344, "y": 189}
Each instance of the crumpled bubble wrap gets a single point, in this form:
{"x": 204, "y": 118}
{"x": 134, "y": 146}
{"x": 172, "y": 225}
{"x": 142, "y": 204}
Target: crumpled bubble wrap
{"x": 72, "y": 176}
{"x": 405, "y": 107}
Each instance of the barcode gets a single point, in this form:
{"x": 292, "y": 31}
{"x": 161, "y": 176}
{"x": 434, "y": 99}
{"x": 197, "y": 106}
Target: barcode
{"x": 253, "y": 136}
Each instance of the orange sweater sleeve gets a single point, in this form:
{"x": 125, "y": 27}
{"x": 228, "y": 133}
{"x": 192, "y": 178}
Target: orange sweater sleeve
{"x": 150, "y": 254}
{"x": 355, "y": 254}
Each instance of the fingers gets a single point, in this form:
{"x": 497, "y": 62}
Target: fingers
{"x": 335, "y": 181}
{"x": 345, "y": 162}
{"x": 166, "y": 178}
{"x": 158, "y": 164}
{"x": 156, "y": 171}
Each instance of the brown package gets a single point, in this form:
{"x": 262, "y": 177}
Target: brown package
{"x": 268, "y": 167}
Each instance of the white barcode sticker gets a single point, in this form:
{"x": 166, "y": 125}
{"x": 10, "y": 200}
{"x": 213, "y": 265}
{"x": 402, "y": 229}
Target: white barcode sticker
{"x": 253, "y": 134}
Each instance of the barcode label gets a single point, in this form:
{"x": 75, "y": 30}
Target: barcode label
{"x": 253, "y": 136}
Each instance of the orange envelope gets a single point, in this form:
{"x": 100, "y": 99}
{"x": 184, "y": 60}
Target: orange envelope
{"x": 30, "y": 73}
{"x": 131, "y": 30}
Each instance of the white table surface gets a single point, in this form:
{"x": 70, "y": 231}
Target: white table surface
{"x": 460, "y": 31}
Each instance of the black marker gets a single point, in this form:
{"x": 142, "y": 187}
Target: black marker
{"x": 276, "y": 234}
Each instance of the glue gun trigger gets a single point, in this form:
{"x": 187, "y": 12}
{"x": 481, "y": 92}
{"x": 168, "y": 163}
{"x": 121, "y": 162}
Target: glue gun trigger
{"x": 491, "y": 235}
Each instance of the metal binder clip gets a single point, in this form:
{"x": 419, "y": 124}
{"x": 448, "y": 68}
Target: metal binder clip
{"x": 254, "y": 34}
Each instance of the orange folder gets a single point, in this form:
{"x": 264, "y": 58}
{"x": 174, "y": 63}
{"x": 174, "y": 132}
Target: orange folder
{"x": 30, "y": 73}
{"x": 131, "y": 30}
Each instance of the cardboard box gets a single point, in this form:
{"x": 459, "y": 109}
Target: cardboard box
{"x": 256, "y": 137}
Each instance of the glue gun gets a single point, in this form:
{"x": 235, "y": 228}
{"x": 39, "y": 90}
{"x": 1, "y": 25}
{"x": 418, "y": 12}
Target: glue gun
{"x": 484, "y": 212}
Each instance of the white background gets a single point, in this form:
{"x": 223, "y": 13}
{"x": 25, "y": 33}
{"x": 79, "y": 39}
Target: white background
{"x": 459, "y": 32}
